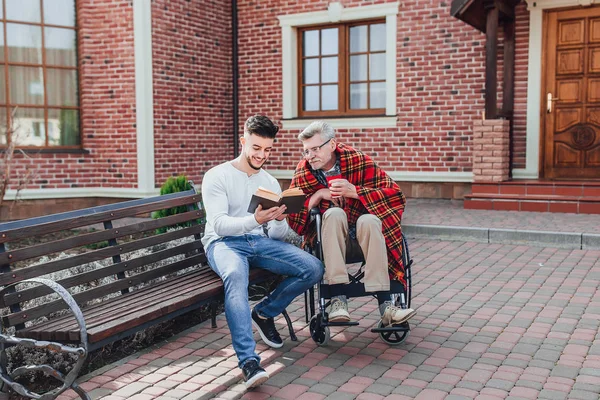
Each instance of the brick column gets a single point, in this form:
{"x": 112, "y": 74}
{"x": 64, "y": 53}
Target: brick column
{"x": 491, "y": 150}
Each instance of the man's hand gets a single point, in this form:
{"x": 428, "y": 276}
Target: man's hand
{"x": 317, "y": 197}
{"x": 263, "y": 216}
{"x": 342, "y": 188}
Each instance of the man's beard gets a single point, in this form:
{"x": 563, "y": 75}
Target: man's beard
{"x": 249, "y": 161}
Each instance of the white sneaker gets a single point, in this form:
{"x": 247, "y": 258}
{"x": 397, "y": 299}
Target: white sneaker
{"x": 394, "y": 315}
{"x": 338, "y": 311}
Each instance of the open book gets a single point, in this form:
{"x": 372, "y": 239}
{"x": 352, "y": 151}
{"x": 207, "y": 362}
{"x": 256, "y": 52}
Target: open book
{"x": 293, "y": 198}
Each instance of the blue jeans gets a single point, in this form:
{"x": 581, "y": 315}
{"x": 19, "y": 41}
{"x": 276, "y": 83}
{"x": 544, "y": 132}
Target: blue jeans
{"x": 232, "y": 257}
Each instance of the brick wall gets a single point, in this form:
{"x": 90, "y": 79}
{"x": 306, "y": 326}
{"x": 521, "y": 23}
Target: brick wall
{"x": 192, "y": 86}
{"x": 440, "y": 85}
{"x": 107, "y": 102}
{"x": 441, "y": 79}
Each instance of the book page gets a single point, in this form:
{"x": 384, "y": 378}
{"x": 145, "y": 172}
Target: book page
{"x": 267, "y": 194}
{"x": 292, "y": 192}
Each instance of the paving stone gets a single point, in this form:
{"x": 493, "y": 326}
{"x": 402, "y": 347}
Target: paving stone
{"x": 337, "y": 378}
{"x": 583, "y": 395}
{"x": 500, "y": 384}
{"x": 552, "y": 395}
{"x": 461, "y": 363}
{"x": 409, "y": 391}
{"x": 341, "y": 396}
{"x": 332, "y": 363}
{"x": 588, "y": 387}
{"x": 323, "y": 388}
{"x": 422, "y": 375}
{"x": 530, "y": 384}
{"x": 564, "y": 371}
{"x": 281, "y": 379}
{"x": 547, "y": 355}
{"x": 373, "y": 371}
{"x": 380, "y": 389}
{"x": 413, "y": 359}
{"x": 457, "y": 397}
{"x": 542, "y": 364}
{"x": 470, "y": 385}
{"x": 305, "y": 382}
{"x": 444, "y": 387}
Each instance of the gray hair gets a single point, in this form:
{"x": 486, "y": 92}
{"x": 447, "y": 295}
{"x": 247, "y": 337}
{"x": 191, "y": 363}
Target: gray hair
{"x": 317, "y": 127}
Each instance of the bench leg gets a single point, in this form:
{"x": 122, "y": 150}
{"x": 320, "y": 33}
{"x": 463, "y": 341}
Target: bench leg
{"x": 290, "y": 327}
{"x": 213, "y": 315}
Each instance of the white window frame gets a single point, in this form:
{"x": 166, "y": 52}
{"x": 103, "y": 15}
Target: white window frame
{"x": 337, "y": 13}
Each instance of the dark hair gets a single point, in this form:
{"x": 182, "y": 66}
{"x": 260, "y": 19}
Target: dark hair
{"x": 261, "y": 126}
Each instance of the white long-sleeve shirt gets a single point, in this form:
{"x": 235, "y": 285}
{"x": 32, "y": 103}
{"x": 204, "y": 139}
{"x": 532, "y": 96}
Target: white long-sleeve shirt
{"x": 226, "y": 193}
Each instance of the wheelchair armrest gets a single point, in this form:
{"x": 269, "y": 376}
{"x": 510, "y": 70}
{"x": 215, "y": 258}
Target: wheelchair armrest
{"x": 314, "y": 211}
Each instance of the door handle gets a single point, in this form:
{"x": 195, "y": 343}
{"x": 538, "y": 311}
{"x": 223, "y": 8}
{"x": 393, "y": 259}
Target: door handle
{"x": 549, "y": 100}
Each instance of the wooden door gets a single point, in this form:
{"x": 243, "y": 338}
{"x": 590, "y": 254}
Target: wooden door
{"x": 571, "y": 139}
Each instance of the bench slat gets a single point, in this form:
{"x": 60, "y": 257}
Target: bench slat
{"x": 35, "y": 271}
{"x": 26, "y": 228}
{"x": 45, "y": 309}
{"x": 99, "y": 273}
{"x": 110, "y": 328}
{"x": 95, "y": 314}
{"x": 89, "y": 238}
{"x": 169, "y": 302}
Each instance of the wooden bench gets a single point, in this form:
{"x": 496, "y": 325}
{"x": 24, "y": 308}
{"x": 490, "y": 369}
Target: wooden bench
{"x": 123, "y": 278}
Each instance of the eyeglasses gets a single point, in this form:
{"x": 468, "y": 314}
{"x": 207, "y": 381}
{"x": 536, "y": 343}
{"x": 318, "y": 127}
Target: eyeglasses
{"x": 306, "y": 153}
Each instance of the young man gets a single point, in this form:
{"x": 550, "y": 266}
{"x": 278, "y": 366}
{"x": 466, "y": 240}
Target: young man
{"x": 236, "y": 240}
{"x": 360, "y": 203}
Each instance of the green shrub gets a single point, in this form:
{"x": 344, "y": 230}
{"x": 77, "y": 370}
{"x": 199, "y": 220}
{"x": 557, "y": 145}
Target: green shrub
{"x": 174, "y": 185}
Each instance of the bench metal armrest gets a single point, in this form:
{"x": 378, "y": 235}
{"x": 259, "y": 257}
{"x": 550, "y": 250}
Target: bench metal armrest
{"x": 81, "y": 352}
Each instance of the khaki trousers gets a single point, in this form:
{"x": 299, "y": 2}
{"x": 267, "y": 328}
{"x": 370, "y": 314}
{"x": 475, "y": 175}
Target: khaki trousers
{"x": 334, "y": 234}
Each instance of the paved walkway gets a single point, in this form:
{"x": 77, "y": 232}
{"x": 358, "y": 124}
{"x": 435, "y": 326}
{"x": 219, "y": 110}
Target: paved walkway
{"x": 494, "y": 321}
{"x": 447, "y": 219}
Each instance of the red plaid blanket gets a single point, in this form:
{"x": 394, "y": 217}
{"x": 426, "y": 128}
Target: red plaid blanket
{"x": 378, "y": 195}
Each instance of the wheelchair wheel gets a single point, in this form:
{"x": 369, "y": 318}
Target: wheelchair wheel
{"x": 319, "y": 333}
{"x": 394, "y": 338}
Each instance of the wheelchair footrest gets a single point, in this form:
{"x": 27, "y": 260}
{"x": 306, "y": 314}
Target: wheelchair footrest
{"x": 397, "y": 328}
{"x": 340, "y": 324}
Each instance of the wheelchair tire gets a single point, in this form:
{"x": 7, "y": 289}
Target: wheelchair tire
{"x": 394, "y": 338}
{"x": 319, "y": 333}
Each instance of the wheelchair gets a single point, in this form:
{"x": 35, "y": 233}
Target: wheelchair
{"x": 399, "y": 296}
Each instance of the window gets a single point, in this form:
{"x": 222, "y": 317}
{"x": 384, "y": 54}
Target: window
{"x": 39, "y": 101}
{"x": 342, "y": 69}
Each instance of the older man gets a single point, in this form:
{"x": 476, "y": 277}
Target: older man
{"x": 360, "y": 204}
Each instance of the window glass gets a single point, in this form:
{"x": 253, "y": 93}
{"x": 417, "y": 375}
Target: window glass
{"x": 24, "y": 43}
{"x": 377, "y": 95}
{"x": 28, "y": 127}
{"x": 311, "y": 71}
{"x": 61, "y": 46}
{"x": 358, "y": 39}
{"x": 311, "y": 98}
{"x": 358, "y": 68}
{"x": 61, "y": 87}
{"x": 377, "y": 37}
{"x": 2, "y": 88}
{"x": 59, "y": 12}
{"x": 1, "y": 39}
{"x": 329, "y": 69}
{"x": 358, "y": 96}
{"x": 329, "y": 41}
{"x": 329, "y": 97}
{"x": 63, "y": 127}
{"x": 23, "y": 10}
{"x": 26, "y": 85}
{"x": 377, "y": 66}
{"x": 310, "y": 43}
{"x": 3, "y": 126}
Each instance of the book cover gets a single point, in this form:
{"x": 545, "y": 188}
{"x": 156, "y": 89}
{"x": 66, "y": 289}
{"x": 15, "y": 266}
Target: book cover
{"x": 292, "y": 198}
